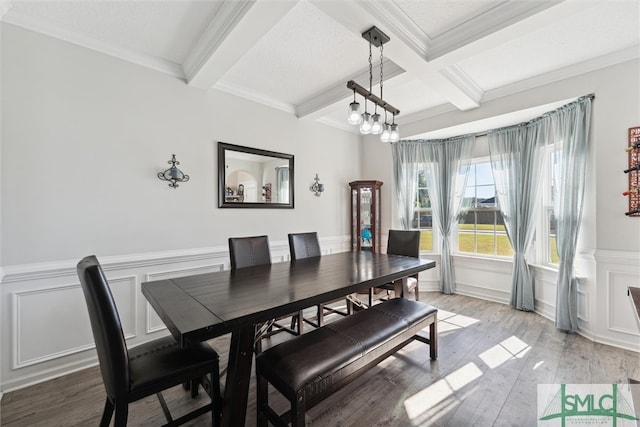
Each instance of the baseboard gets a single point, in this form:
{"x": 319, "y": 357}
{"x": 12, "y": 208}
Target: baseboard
{"x": 482, "y": 292}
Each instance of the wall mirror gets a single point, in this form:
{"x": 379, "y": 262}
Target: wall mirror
{"x": 253, "y": 178}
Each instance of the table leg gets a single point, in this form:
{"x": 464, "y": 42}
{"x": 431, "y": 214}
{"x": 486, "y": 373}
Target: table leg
{"x": 236, "y": 391}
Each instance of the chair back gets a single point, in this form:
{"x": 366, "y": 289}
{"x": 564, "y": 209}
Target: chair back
{"x": 106, "y": 327}
{"x": 249, "y": 251}
{"x": 404, "y": 242}
{"x": 304, "y": 245}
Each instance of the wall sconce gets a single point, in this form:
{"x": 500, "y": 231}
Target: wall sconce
{"x": 317, "y": 188}
{"x": 173, "y": 174}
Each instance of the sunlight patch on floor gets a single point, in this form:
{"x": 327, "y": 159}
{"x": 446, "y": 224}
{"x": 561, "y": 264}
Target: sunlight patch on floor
{"x": 448, "y": 321}
{"x": 430, "y": 396}
{"x": 511, "y": 348}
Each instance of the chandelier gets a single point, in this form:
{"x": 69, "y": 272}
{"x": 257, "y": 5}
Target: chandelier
{"x": 372, "y": 123}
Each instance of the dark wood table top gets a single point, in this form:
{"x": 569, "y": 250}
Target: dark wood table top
{"x": 204, "y": 306}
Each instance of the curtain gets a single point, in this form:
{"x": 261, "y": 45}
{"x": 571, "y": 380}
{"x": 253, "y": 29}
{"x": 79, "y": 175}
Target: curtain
{"x": 571, "y": 134}
{"x": 447, "y": 170}
{"x": 405, "y": 172}
{"x": 282, "y": 184}
{"x": 516, "y": 160}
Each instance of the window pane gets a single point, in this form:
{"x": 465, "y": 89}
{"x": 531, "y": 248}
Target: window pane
{"x": 423, "y": 198}
{"x": 483, "y": 174}
{"x": 553, "y": 256}
{"x": 481, "y": 228}
{"x": 422, "y": 218}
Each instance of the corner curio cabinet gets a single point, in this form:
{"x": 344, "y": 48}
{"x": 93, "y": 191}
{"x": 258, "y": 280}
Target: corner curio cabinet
{"x": 365, "y": 215}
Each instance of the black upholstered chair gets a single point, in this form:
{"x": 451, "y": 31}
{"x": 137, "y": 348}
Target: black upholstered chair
{"x": 249, "y": 252}
{"x": 406, "y": 243}
{"x": 306, "y": 245}
{"x": 130, "y": 375}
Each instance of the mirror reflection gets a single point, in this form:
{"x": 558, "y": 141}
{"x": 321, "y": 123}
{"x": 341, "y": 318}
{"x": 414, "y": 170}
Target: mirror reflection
{"x": 250, "y": 177}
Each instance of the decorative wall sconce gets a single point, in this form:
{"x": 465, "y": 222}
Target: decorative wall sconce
{"x": 173, "y": 174}
{"x": 317, "y": 188}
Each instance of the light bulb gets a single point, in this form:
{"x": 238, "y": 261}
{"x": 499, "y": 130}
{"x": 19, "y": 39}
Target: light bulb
{"x": 394, "y": 135}
{"x": 365, "y": 125}
{"x": 354, "y": 117}
{"x": 376, "y": 125}
{"x": 386, "y": 133}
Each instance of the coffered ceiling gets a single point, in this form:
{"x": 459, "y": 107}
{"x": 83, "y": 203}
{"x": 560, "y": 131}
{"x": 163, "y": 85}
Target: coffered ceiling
{"x": 297, "y": 55}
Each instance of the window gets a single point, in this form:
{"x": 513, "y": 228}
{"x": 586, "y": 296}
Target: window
{"x": 550, "y": 183}
{"x": 422, "y": 218}
{"x": 481, "y": 229}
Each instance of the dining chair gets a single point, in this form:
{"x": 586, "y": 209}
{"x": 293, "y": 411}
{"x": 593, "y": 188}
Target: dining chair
{"x": 250, "y": 252}
{"x": 406, "y": 243}
{"x": 306, "y": 245}
{"x": 132, "y": 374}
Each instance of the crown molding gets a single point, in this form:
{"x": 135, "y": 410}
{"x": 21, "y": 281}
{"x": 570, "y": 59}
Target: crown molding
{"x": 461, "y": 79}
{"x": 574, "y": 70}
{"x": 488, "y": 22}
{"x": 227, "y": 18}
{"x": 403, "y": 27}
{"x": 242, "y": 92}
{"x": 129, "y": 55}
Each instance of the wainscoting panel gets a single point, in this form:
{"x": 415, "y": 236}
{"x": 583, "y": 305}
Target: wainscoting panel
{"x": 49, "y": 323}
{"x": 616, "y": 324}
{"x": 620, "y": 319}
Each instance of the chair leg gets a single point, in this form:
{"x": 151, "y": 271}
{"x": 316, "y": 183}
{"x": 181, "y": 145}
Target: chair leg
{"x": 370, "y": 297}
{"x": 416, "y": 290}
{"x": 297, "y": 412}
{"x": 122, "y": 414}
{"x": 216, "y": 397}
{"x": 107, "y": 414}
{"x": 262, "y": 400}
{"x": 320, "y": 314}
{"x": 194, "y": 388}
{"x": 433, "y": 339}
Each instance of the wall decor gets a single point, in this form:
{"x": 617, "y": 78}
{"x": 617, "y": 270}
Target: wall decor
{"x": 173, "y": 174}
{"x": 633, "y": 172}
{"x": 254, "y": 178}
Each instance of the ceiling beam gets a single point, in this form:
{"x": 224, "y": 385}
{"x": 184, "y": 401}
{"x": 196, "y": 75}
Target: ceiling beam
{"x": 237, "y": 26}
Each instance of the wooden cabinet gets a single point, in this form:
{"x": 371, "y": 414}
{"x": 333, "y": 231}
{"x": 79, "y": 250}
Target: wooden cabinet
{"x": 365, "y": 215}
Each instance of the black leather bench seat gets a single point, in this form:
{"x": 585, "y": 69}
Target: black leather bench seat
{"x": 309, "y": 367}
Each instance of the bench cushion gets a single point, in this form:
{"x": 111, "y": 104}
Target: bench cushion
{"x": 318, "y": 361}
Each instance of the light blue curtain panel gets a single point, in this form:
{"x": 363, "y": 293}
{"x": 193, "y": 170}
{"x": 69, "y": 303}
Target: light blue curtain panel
{"x": 405, "y": 172}
{"x": 516, "y": 160}
{"x": 447, "y": 169}
{"x": 571, "y": 133}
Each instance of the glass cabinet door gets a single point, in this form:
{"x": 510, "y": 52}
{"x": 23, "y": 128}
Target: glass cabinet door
{"x": 365, "y": 215}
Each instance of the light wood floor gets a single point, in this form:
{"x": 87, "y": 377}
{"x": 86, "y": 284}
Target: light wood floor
{"x": 491, "y": 359}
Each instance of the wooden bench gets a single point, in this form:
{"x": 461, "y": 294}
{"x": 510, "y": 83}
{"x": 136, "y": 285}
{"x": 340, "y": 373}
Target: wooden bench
{"x": 310, "y": 367}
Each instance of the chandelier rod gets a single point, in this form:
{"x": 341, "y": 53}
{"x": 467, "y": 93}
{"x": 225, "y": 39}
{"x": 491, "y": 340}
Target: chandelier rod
{"x": 372, "y": 97}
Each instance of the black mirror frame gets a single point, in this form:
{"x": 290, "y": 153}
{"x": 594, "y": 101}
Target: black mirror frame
{"x": 222, "y": 203}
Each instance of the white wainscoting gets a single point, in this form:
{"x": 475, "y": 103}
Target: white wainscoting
{"x": 46, "y": 332}
{"x": 45, "y": 324}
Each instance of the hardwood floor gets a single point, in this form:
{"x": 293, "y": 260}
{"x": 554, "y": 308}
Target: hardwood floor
{"x": 491, "y": 358}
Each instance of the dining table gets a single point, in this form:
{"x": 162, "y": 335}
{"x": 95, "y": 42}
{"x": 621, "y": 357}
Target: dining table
{"x": 204, "y": 306}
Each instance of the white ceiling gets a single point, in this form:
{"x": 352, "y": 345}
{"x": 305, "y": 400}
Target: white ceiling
{"x": 298, "y": 55}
